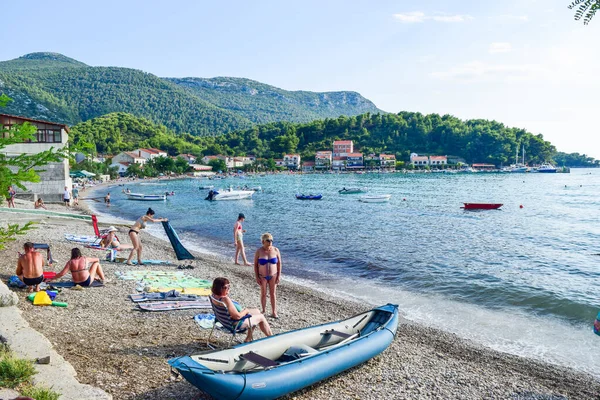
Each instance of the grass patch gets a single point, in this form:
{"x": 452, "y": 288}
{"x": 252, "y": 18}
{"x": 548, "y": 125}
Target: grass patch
{"x": 39, "y": 393}
{"x": 14, "y": 371}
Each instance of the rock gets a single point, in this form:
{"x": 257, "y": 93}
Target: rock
{"x": 8, "y": 394}
{"x": 8, "y": 299}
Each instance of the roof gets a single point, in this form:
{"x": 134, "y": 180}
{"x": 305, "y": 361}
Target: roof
{"x": 309, "y": 163}
{"x": 292, "y": 155}
{"x": 438, "y": 158}
{"x": 341, "y": 142}
{"x": 388, "y": 156}
{"x": 354, "y": 155}
{"x": 132, "y": 154}
{"x": 324, "y": 152}
{"x": 210, "y": 157}
{"x": 39, "y": 121}
{"x": 420, "y": 158}
{"x": 199, "y": 167}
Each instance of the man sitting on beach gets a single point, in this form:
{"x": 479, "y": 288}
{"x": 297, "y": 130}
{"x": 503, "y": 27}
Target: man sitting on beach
{"x": 30, "y": 267}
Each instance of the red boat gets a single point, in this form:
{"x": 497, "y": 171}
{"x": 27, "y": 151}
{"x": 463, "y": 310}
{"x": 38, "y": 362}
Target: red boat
{"x": 481, "y": 206}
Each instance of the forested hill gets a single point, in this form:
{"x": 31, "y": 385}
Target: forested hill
{"x": 49, "y": 86}
{"x": 54, "y": 87}
{"x": 263, "y": 103}
{"x": 400, "y": 134}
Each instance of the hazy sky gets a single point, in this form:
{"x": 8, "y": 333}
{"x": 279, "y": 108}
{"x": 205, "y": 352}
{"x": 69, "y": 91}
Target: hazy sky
{"x": 525, "y": 63}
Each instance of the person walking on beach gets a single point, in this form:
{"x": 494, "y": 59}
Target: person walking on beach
{"x": 10, "y": 198}
{"x": 267, "y": 269}
{"x": 220, "y": 292}
{"x": 80, "y": 274}
{"x": 238, "y": 240}
{"x": 75, "y": 192}
{"x": 134, "y": 234}
{"x": 30, "y": 268}
{"x": 67, "y": 197}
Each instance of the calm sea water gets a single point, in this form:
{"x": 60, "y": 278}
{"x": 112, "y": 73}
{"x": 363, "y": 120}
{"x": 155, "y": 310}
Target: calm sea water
{"x": 521, "y": 280}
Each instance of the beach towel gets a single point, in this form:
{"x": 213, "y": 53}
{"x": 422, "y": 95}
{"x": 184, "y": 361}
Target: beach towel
{"x": 185, "y": 290}
{"x": 205, "y": 321}
{"x": 68, "y": 284}
{"x": 175, "y": 305}
{"x": 49, "y": 275}
{"x": 121, "y": 260}
{"x": 82, "y": 239}
{"x": 141, "y": 297}
{"x": 180, "y": 251}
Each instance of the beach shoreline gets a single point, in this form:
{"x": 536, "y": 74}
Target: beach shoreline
{"x": 124, "y": 351}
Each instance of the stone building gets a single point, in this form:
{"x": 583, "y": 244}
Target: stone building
{"x": 49, "y": 135}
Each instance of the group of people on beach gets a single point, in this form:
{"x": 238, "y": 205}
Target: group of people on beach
{"x": 84, "y": 270}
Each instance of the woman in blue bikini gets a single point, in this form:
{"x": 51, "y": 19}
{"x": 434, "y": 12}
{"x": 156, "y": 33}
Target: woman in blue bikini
{"x": 267, "y": 268}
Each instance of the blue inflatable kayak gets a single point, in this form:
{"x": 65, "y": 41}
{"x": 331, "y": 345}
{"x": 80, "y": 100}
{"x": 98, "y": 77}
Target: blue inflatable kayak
{"x": 275, "y": 366}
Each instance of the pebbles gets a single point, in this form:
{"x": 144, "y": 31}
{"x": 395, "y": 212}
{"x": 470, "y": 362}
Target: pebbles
{"x": 124, "y": 351}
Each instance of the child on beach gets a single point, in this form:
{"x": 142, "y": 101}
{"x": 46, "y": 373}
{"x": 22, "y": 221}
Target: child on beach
{"x": 220, "y": 292}
{"x": 238, "y": 239}
{"x": 67, "y": 197}
{"x": 75, "y": 192}
{"x": 267, "y": 269}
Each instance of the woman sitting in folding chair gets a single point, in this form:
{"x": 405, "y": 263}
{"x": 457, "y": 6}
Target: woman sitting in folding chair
{"x": 246, "y": 318}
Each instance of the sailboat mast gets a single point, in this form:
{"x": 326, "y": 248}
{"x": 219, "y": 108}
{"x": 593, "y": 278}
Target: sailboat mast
{"x": 523, "y": 154}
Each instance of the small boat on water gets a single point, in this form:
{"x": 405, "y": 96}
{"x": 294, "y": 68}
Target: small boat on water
{"x": 146, "y": 197}
{"x": 207, "y": 187}
{"x": 309, "y": 196}
{"x": 481, "y": 206}
{"x": 546, "y": 168}
{"x": 352, "y": 190}
{"x": 230, "y": 194}
{"x": 376, "y": 198}
{"x": 277, "y": 365}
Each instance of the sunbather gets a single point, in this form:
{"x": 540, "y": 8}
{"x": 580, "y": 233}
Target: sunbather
{"x": 220, "y": 291}
{"x": 39, "y": 203}
{"x": 78, "y": 265}
{"x": 110, "y": 241}
{"x": 30, "y": 267}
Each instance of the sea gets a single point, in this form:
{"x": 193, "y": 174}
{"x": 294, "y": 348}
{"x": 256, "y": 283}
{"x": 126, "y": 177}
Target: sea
{"x": 524, "y": 279}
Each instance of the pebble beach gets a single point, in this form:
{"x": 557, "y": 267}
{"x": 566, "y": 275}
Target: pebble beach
{"x": 124, "y": 351}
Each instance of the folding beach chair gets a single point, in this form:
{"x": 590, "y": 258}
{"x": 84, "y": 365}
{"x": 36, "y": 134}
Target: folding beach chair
{"x": 229, "y": 324}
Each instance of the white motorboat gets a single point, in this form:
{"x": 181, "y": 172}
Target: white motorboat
{"x": 375, "y": 198}
{"x": 546, "y": 168}
{"x": 146, "y": 197}
{"x": 232, "y": 194}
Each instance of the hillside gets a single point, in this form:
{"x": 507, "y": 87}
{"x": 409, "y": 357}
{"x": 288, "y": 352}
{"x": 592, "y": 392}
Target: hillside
{"x": 261, "y": 103}
{"x": 54, "y": 87}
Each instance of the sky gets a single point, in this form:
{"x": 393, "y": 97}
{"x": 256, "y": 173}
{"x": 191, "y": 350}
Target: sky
{"x": 525, "y": 63}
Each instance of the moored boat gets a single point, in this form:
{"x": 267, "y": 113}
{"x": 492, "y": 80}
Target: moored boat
{"x": 546, "y": 168}
{"x": 146, "y": 197}
{"x": 481, "y": 206}
{"x": 287, "y": 362}
{"x": 355, "y": 190}
{"x": 309, "y": 196}
{"x": 232, "y": 195}
{"x": 376, "y": 198}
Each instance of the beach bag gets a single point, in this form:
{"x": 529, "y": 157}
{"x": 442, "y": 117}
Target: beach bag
{"x": 42, "y": 299}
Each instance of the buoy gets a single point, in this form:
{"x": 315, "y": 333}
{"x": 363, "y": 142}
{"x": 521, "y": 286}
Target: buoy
{"x": 404, "y": 199}
{"x": 521, "y": 206}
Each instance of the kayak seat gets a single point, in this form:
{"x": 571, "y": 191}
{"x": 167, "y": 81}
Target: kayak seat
{"x": 336, "y": 333}
{"x": 257, "y": 359}
{"x": 297, "y": 352}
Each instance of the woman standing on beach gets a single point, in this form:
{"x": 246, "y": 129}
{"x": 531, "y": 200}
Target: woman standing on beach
{"x": 267, "y": 268}
{"x": 238, "y": 240}
{"x": 134, "y": 234}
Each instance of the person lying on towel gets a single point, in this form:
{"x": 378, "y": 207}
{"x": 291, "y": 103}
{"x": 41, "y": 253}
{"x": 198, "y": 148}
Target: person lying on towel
{"x": 30, "y": 268}
{"x": 78, "y": 266}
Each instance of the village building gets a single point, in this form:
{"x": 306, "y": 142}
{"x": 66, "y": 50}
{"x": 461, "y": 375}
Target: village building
{"x": 150, "y": 154}
{"x": 338, "y": 163}
{"x": 323, "y": 159}
{"x": 483, "y": 167}
{"x": 308, "y": 166}
{"x": 190, "y": 158}
{"x": 354, "y": 161}
{"x": 49, "y": 135}
{"x": 128, "y": 157}
{"x": 292, "y": 161}
{"x": 438, "y": 160}
{"x": 121, "y": 167}
{"x": 387, "y": 160}
{"x": 279, "y": 162}
{"x": 342, "y": 148}
{"x": 419, "y": 161}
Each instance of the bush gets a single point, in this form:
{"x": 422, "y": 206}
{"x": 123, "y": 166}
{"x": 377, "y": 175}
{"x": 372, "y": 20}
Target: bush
{"x": 39, "y": 393}
{"x": 14, "y": 371}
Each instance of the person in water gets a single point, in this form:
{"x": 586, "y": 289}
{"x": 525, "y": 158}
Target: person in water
{"x": 30, "y": 268}
{"x": 238, "y": 240}
{"x": 134, "y": 234}
{"x": 267, "y": 268}
{"x": 112, "y": 242}
{"x": 220, "y": 291}
{"x": 78, "y": 266}
{"x": 107, "y": 199}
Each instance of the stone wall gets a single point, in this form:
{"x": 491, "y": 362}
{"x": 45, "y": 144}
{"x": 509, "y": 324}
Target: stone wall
{"x": 52, "y": 183}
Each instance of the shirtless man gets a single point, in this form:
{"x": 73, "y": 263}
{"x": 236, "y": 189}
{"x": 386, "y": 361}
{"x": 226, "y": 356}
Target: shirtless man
{"x": 30, "y": 267}
{"x": 78, "y": 266}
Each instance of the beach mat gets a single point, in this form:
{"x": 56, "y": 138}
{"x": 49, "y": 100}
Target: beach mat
{"x": 83, "y": 239}
{"x": 69, "y": 284}
{"x": 141, "y": 297}
{"x": 120, "y": 260}
{"x": 175, "y": 305}
{"x": 181, "y": 252}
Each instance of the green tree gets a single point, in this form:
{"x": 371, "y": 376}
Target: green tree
{"x": 181, "y": 166}
{"x": 134, "y": 170}
{"x": 20, "y": 169}
{"x": 585, "y": 9}
{"x": 218, "y": 165}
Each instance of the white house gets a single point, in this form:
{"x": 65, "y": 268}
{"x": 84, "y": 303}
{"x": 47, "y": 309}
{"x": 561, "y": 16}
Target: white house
{"x": 438, "y": 160}
{"x": 418, "y": 160}
{"x": 190, "y": 158}
{"x": 55, "y": 176}
{"x": 292, "y": 161}
{"x": 387, "y": 160}
{"x": 150, "y": 154}
{"x": 323, "y": 159}
{"x": 129, "y": 157}
{"x": 121, "y": 167}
